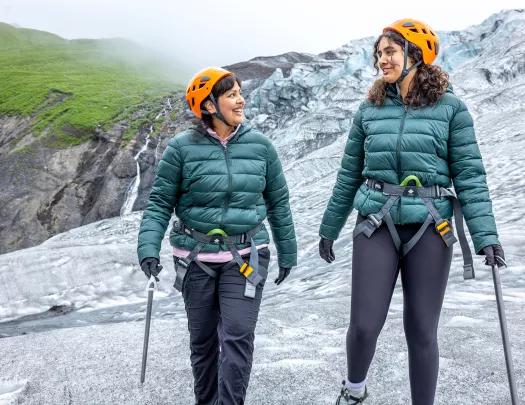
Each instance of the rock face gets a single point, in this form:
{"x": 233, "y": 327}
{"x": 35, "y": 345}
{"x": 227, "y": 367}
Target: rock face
{"x": 255, "y": 71}
{"x": 45, "y": 191}
{"x": 304, "y": 103}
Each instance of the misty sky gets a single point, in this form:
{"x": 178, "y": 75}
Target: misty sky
{"x": 205, "y": 32}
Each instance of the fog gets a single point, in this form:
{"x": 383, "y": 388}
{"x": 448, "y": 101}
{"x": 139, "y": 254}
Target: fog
{"x": 205, "y": 33}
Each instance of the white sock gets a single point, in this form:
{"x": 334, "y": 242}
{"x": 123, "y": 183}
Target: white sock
{"x": 356, "y": 388}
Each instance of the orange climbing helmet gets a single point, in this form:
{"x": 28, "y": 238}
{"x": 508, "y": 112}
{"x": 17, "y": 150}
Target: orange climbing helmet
{"x": 200, "y": 87}
{"x": 419, "y": 34}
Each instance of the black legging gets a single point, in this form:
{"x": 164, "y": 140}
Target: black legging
{"x": 424, "y": 273}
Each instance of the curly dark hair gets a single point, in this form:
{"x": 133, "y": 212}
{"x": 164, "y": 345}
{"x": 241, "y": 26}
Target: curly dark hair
{"x": 429, "y": 83}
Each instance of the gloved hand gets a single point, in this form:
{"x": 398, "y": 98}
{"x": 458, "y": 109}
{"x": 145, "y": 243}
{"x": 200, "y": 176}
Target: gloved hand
{"x": 494, "y": 255}
{"x": 326, "y": 251}
{"x": 151, "y": 267}
{"x": 283, "y": 273}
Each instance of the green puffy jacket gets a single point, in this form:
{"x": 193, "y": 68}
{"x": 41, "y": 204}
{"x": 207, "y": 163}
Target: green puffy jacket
{"x": 437, "y": 144}
{"x": 210, "y": 187}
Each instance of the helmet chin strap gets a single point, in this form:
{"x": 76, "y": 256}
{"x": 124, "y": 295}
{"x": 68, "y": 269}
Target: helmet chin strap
{"x": 406, "y": 71}
{"x": 218, "y": 114}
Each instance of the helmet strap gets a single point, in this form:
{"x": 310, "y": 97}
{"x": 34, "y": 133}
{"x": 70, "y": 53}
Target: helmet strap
{"x": 406, "y": 71}
{"x": 218, "y": 113}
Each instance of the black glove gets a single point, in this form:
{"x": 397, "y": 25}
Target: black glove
{"x": 151, "y": 267}
{"x": 283, "y": 273}
{"x": 326, "y": 251}
{"x": 494, "y": 255}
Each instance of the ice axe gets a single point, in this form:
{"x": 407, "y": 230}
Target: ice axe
{"x": 150, "y": 288}
{"x": 505, "y": 332}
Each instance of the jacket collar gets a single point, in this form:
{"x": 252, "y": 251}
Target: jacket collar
{"x": 244, "y": 128}
{"x": 391, "y": 92}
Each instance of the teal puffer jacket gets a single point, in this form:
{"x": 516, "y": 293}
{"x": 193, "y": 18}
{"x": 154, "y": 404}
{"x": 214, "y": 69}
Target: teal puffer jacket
{"x": 437, "y": 144}
{"x": 232, "y": 188}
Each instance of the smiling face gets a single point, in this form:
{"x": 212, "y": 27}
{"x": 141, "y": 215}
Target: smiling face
{"x": 390, "y": 59}
{"x": 231, "y": 105}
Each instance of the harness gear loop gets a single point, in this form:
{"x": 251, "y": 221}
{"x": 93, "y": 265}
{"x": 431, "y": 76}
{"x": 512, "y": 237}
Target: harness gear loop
{"x": 216, "y": 232}
{"x": 410, "y": 178}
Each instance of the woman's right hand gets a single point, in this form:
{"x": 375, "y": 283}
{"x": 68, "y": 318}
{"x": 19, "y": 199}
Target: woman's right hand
{"x": 151, "y": 267}
{"x": 326, "y": 250}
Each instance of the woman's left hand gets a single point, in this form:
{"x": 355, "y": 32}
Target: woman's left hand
{"x": 494, "y": 255}
{"x": 283, "y": 273}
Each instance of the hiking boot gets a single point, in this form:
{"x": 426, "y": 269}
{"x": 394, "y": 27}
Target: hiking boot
{"x": 348, "y": 397}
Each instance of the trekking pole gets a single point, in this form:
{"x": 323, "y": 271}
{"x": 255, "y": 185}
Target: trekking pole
{"x": 505, "y": 335}
{"x": 150, "y": 288}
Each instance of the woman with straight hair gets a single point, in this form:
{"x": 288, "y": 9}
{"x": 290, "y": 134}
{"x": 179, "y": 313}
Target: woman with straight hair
{"x": 223, "y": 179}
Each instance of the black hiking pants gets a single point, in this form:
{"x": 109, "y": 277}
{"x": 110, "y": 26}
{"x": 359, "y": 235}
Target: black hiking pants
{"x": 424, "y": 273}
{"x": 221, "y": 322}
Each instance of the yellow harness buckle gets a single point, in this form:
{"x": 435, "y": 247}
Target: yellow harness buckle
{"x": 445, "y": 231}
{"x": 246, "y": 270}
{"x": 443, "y": 228}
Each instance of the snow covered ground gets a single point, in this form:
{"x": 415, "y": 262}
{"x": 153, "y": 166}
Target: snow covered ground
{"x": 301, "y": 333}
{"x": 299, "y": 354}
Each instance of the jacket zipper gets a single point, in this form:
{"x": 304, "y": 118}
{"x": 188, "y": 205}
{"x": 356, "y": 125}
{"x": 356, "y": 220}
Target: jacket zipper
{"x": 227, "y": 200}
{"x": 405, "y": 109}
{"x": 227, "y": 158}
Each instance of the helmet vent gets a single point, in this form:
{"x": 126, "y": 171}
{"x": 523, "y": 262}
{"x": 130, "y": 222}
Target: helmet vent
{"x": 200, "y": 87}
{"x": 419, "y": 34}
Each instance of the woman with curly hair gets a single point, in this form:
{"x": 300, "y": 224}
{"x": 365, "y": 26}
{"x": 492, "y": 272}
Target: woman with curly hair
{"x": 412, "y": 128}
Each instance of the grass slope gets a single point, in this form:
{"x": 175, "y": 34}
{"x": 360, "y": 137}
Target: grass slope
{"x": 73, "y": 87}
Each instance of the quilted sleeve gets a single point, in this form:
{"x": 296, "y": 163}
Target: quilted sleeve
{"x": 469, "y": 178}
{"x": 279, "y": 214}
{"x": 161, "y": 202}
{"x": 348, "y": 181}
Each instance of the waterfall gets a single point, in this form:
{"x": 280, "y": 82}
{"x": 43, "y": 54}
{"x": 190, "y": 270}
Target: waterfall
{"x": 133, "y": 188}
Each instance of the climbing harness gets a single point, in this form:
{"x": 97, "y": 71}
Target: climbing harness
{"x": 442, "y": 226}
{"x": 253, "y": 273}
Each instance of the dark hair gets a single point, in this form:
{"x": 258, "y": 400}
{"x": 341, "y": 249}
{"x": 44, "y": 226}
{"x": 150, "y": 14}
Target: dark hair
{"x": 428, "y": 86}
{"x": 221, "y": 87}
